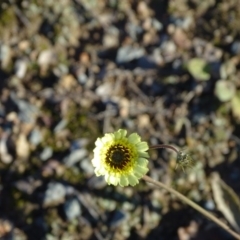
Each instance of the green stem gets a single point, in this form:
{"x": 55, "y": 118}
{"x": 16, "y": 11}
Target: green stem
{"x": 193, "y": 205}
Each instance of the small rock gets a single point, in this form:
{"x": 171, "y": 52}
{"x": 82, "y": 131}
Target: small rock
{"x": 46, "y": 57}
{"x": 79, "y": 143}
{"x": 35, "y": 137}
{"x": 68, "y": 82}
{"x": 143, "y": 120}
{"x": 181, "y": 39}
{"x": 28, "y": 112}
{"x": 105, "y": 89}
{"x": 55, "y": 194}
{"x": 72, "y": 209}
{"x": 128, "y": 53}
{"x": 133, "y": 30}
{"x": 46, "y": 153}
{"x": 86, "y": 165}
{"x": 5, "y": 56}
{"x": 75, "y": 157}
{"x": 96, "y": 182}
{"x": 235, "y": 48}
{"x": 209, "y": 205}
{"x": 21, "y": 68}
{"x": 27, "y": 186}
{"x": 22, "y": 146}
{"x": 117, "y": 218}
{"x": 143, "y": 10}
{"x": 5, "y": 229}
{"x": 111, "y": 38}
{"x": 5, "y": 157}
{"x": 60, "y": 126}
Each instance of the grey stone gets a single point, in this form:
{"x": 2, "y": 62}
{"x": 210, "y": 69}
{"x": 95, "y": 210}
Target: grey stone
{"x": 72, "y": 209}
{"x": 28, "y": 111}
{"x": 54, "y": 194}
{"x": 35, "y": 137}
{"x": 86, "y": 165}
{"x": 75, "y": 157}
{"x": 128, "y": 53}
{"x": 60, "y": 126}
{"x": 46, "y": 153}
{"x": 117, "y": 218}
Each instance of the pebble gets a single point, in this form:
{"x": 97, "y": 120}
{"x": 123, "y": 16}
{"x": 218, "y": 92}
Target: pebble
{"x": 46, "y": 58}
{"x": 46, "y": 153}
{"x": 22, "y": 146}
{"x": 133, "y": 30}
{"x": 5, "y": 56}
{"x": 105, "y": 89}
{"x": 55, "y": 194}
{"x": 235, "y": 48}
{"x": 117, "y": 218}
{"x": 60, "y": 126}
{"x": 35, "y": 137}
{"x": 79, "y": 143}
{"x": 128, "y": 53}
{"x": 28, "y": 111}
{"x": 5, "y": 156}
{"x": 86, "y": 165}
{"x": 75, "y": 157}
{"x": 21, "y": 68}
{"x": 209, "y": 205}
{"x": 72, "y": 209}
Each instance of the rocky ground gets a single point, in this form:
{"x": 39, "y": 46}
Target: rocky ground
{"x": 72, "y": 70}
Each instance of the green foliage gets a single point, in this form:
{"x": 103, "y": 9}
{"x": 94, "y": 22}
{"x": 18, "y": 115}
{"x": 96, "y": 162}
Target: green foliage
{"x": 199, "y": 69}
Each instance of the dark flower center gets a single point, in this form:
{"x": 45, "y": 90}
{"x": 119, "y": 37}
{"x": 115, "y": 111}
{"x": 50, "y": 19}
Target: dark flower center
{"x": 118, "y": 157}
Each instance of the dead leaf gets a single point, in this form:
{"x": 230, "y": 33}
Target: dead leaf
{"x": 226, "y": 200}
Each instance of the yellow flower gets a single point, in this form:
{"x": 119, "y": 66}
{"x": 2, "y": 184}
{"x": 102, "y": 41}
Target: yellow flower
{"x": 122, "y": 160}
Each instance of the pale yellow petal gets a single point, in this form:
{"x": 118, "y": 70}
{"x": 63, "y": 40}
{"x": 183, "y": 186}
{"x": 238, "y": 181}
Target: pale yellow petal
{"x": 107, "y": 138}
{"x": 134, "y": 138}
{"x": 143, "y": 154}
{"x": 113, "y": 180}
{"x": 99, "y": 172}
{"x": 132, "y": 180}
{"x": 117, "y": 135}
{"x": 142, "y": 146}
{"x": 123, "y": 132}
{"x": 138, "y": 174}
{"x": 123, "y": 181}
{"x": 99, "y": 143}
{"x": 95, "y": 162}
{"x": 142, "y": 170}
{"x": 142, "y": 162}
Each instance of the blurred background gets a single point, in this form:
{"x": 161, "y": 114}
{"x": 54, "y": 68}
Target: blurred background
{"x": 72, "y": 70}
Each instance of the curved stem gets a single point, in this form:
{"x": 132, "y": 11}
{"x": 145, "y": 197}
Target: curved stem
{"x": 193, "y": 205}
{"x": 164, "y": 146}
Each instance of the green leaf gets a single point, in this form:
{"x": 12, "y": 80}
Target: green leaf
{"x": 224, "y": 90}
{"x": 199, "y": 69}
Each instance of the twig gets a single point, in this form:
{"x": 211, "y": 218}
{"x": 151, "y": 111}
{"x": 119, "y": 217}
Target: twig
{"x": 165, "y": 146}
{"x": 193, "y": 205}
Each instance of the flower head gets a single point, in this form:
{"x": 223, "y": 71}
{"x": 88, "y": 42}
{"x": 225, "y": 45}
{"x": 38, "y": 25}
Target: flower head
{"x": 184, "y": 160}
{"x": 122, "y": 160}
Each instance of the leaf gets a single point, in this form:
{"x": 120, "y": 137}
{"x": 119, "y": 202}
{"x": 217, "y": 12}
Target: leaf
{"x": 199, "y": 69}
{"x": 226, "y": 200}
{"x": 224, "y": 90}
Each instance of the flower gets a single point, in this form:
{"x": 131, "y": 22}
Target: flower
{"x": 122, "y": 160}
{"x": 184, "y": 160}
